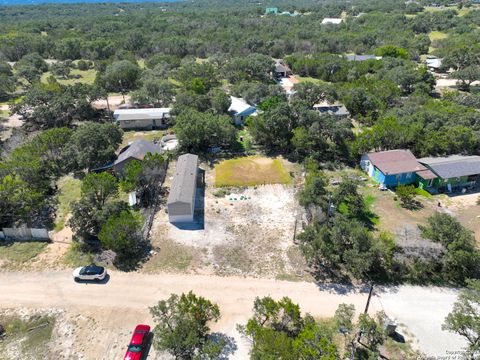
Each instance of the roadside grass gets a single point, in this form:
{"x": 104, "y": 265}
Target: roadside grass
{"x": 85, "y": 77}
{"x": 75, "y": 256}
{"x": 423, "y": 193}
{"x": 172, "y": 256}
{"x": 151, "y": 135}
{"x": 18, "y": 253}
{"x": 251, "y": 171}
{"x": 30, "y": 335}
{"x": 437, "y": 35}
{"x": 68, "y": 191}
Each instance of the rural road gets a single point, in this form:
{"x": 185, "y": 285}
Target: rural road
{"x": 128, "y": 295}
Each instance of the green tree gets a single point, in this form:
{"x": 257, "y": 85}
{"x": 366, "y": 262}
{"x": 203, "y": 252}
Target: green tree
{"x": 220, "y": 101}
{"x": 198, "y": 131}
{"x": 98, "y": 188}
{"x": 371, "y": 331}
{"x": 464, "y": 319}
{"x": 278, "y": 331}
{"x": 406, "y": 194}
{"x": 60, "y": 69}
{"x": 158, "y": 93}
{"x": 94, "y": 144}
{"x": 122, "y": 234}
{"x": 182, "y": 326}
{"x": 120, "y": 76}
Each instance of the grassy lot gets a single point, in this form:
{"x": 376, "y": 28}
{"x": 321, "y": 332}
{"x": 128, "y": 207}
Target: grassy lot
{"x": 251, "y": 171}
{"x": 27, "y": 336}
{"x": 68, "y": 192}
{"x": 437, "y": 35}
{"x": 20, "y": 252}
{"x": 129, "y": 136}
{"x": 87, "y": 77}
{"x": 75, "y": 257}
{"x": 309, "y": 79}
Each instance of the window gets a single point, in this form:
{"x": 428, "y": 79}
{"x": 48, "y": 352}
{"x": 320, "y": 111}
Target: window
{"x": 430, "y": 183}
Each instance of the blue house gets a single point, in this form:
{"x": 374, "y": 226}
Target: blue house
{"x": 392, "y": 168}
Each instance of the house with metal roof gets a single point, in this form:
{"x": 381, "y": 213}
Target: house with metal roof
{"x": 181, "y": 199}
{"x": 332, "y": 21}
{"x": 336, "y": 109}
{"x": 452, "y": 173}
{"x": 135, "y": 151}
{"x": 362, "y": 57}
{"x": 148, "y": 119}
{"x": 392, "y": 167}
{"x": 240, "y": 109}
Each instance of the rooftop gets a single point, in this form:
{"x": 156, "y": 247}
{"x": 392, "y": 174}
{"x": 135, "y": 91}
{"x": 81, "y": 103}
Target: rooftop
{"x": 394, "y": 162}
{"x": 137, "y": 149}
{"x": 135, "y": 114}
{"x": 332, "y": 21}
{"x": 239, "y": 105}
{"x": 453, "y": 166}
{"x": 184, "y": 182}
{"x": 362, "y": 57}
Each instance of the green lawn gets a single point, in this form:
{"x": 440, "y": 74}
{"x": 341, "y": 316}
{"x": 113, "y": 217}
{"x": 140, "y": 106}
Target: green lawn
{"x": 309, "y": 79}
{"x": 68, "y": 192}
{"x": 251, "y": 171}
{"x": 21, "y": 252}
{"x": 437, "y": 35}
{"x": 86, "y": 77}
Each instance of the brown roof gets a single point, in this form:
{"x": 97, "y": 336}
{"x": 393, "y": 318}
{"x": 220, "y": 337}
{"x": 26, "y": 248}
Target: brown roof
{"x": 394, "y": 162}
{"x": 426, "y": 174}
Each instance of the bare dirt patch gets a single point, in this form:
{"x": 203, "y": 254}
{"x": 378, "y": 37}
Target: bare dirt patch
{"x": 242, "y": 231}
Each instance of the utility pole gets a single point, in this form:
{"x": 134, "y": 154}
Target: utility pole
{"x": 366, "y": 309}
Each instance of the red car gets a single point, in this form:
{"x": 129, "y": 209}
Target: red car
{"x": 136, "y": 349}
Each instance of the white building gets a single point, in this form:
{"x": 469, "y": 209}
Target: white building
{"x": 148, "y": 119}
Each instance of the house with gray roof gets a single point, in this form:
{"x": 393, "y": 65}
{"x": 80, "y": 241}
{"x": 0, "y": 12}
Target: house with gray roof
{"x": 181, "y": 199}
{"x": 147, "y": 119}
{"x": 336, "y": 109}
{"x": 452, "y": 173}
{"x": 134, "y": 151}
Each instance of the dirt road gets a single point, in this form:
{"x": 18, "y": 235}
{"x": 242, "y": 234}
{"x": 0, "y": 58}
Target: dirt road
{"x": 115, "y": 307}
{"x": 122, "y": 302}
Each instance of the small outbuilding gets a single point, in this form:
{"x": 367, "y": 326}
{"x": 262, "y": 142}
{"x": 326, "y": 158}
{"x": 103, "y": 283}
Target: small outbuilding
{"x": 282, "y": 70}
{"x": 135, "y": 151}
{"x": 181, "y": 200}
{"x": 147, "y": 119}
{"x": 240, "y": 109}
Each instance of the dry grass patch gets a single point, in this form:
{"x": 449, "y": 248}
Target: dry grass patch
{"x": 251, "y": 171}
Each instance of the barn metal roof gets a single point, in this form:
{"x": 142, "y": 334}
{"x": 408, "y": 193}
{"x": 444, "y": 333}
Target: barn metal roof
{"x": 184, "y": 182}
{"x": 453, "y": 166}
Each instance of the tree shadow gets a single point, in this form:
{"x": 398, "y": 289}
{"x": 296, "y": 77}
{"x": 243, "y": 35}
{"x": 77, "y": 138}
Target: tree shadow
{"x": 228, "y": 344}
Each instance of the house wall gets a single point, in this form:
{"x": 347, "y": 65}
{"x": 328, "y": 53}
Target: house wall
{"x": 147, "y": 124}
{"x": 442, "y": 185}
{"x": 240, "y": 118}
{"x": 180, "y": 212}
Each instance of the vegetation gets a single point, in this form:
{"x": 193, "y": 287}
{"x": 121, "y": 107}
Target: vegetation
{"x": 182, "y": 327}
{"x": 251, "y": 171}
{"x": 464, "y": 319}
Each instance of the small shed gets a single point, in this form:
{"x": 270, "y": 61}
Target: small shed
{"x": 148, "y": 119}
{"x": 240, "y": 109}
{"x": 135, "y": 151}
{"x": 271, "y": 10}
{"x": 181, "y": 200}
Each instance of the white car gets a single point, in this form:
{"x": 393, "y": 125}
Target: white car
{"x": 90, "y": 272}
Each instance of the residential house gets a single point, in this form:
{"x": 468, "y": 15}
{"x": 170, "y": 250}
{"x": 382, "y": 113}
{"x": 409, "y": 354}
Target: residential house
{"x": 392, "y": 168}
{"x": 181, "y": 200}
{"x": 147, "y": 119}
{"x": 452, "y": 173}
{"x": 282, "y": 70}
{"x": 332, "y": 21}
{"x": 338, "y": 110}
{"x": 271, "y": 10}
{"x": 362, "y": 57}
{"x": 434, "y": 64}
{"x": 135, "y": 151}
{"x": 240, "y": 109}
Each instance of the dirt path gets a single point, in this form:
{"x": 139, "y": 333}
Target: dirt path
{"x": 121, "y": 303}
{"x": 106, "y": 313}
